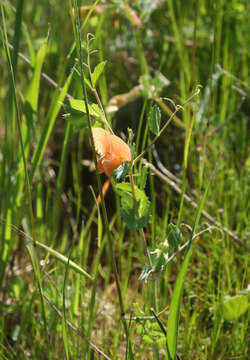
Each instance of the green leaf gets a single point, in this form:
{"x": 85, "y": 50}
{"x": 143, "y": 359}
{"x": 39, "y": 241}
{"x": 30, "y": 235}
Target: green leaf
{"x": 154, "y": 118}
{"x": 97, "y": 72}
{"x": 29, "y": 114}
{"x": 234, "y": 307}
{"x": 76, "y": 119}
{"x": 79, "y": 105}
{"x": 138, "y": 311}
{"x": 31, "y": 100}
{"x": 174, "y": 236}
{"x": 33, "y": 90}
{"x": 122, "y": 171}
{"x": 147, "y": 270}
{"x": 64, "y": 260}
{"x": 151, "y": 332}
{"x": 152, "y": 86}
{"x": 77, "y": 75}
{"x": 48, "y": 127}
{"x": 29, "y": 44}
{"x": 160, "y": 259}
{"x": 128, "y": 211}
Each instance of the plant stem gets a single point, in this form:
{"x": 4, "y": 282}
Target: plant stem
{"x": 177, "y": 108}
{"x": 137, "y": 214}
{"x": 32, "y": 250}
{"x": 105, "y": 216}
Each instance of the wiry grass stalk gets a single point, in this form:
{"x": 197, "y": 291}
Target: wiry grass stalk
{"x": 32, "y": 250}
{"x": 79, "y": 49}
{"x": 191, "y": 119}
{"x": 177, "y": 108}
{"x": 137, "y": 214}
{"x": 60, "y": 169}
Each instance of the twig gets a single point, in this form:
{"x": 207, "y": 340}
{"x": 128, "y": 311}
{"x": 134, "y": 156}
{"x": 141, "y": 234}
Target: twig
{"x": 76, "y": 330}
{"x": 163, "y": 169}
{"x": 177, "y": 108}
{"x": 194, "y": 204}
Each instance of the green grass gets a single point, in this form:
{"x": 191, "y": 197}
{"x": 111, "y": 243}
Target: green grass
{"x": 161, "y": 267}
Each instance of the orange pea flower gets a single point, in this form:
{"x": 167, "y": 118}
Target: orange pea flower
{"x": 112, "y": 151}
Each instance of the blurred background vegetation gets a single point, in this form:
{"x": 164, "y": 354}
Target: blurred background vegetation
{"x": 169, "y": 47}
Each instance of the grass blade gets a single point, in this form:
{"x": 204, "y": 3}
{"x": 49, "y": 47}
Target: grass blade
{"x": 64, "y": 322}
{"x": 33, "y": 257}
{"x": 39, "y": 152}
{"x": 64, "y": 260}
{"x": 174, "y": 312}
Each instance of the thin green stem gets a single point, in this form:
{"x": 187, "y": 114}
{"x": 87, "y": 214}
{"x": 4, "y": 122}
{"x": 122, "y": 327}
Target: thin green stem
{"x": 177, "y": 108}
{"x": 28, "y": 190}
{"x": 140, "y": 125}
{"x": 105, "y": 216}
{"x": 131, "y": 178}
{"x": 102, "y": 110}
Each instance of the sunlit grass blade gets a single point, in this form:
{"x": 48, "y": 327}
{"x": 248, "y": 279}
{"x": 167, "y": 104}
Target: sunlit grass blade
{"x": 17, "y": 36}
{"x": 64, "y": 321}
{"x": 61, "y": 178}
{"x": 9, "y": 146}
{"x": 50, "y": 121}
{"x": 64, "y": 260}
{"x": 99, "y": 232}
{"x": 14, "y": 59}
{"x": 30, "y": 111}
{"x": 183, "y": 55}
{"x": 175, "y": 305}
{"x": 31, "y": 100}
{"x": 34, "y": 259}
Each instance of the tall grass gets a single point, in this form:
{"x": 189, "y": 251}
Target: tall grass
{"x": 157, "y": 267}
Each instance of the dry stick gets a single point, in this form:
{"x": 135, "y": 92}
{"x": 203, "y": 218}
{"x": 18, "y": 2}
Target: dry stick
{"x": 171, "y": 176}
{"x": 194, "y": 204}
{"x": 177, "y": 108}
{"x": 69, "y": 97}
{"x": 157, "y": 172}
{"x": 163, "y": 169}
{"x": 166, "y": 109}
{"x": 76, "y": 330}
{"x": 150, "y": 145}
